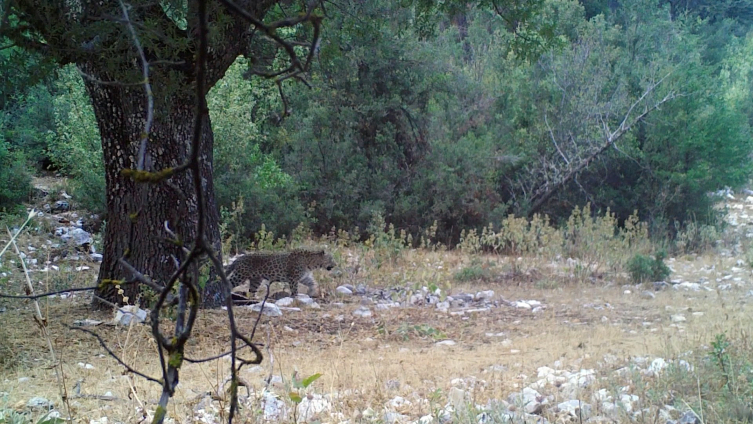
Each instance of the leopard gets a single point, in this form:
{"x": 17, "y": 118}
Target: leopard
{"x": 293, "y": 267}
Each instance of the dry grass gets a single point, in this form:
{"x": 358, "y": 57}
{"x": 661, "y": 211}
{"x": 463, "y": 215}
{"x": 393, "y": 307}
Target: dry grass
{"x": 586, "y": 319}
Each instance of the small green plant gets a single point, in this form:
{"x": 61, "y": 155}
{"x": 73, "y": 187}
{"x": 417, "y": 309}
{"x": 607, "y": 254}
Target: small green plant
{"x": 720, "y": 355}
{"x": 9, "y": 416}
{"x": 421, "y": 330}
{"x": 476, "y": 271}
{"x": 547, "y": 285}
{"x": 15, "y": 180}
{"x": 296, "y": 396}
{"x": 644, "y": 268}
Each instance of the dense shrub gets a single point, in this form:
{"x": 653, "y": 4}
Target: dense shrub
{"x": 243, "y": 174}
{"x": 75, "y": 144}
{"x": 644, "y": 268}
{"x": 15, "y": 180}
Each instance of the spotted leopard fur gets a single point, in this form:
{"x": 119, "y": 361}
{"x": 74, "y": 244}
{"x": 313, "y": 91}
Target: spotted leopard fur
{"x": 293, "y": 267}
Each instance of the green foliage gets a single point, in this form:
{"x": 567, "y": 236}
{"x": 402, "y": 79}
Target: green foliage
{"x": 644, "y": 268}
{"x": 28, "y": 120}
{"x": 243, "y": 174}
{"x": 476, "y": 271}
{"x": 15, "y": 180}
{"x": 300, "y": 386}
{"x": 75, "y": 144}
{"x": 406, "y": 331}
{"x": 9, "y": 416}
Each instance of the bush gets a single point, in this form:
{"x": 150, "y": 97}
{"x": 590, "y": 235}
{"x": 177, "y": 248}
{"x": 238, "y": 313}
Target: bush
{"x": 644, "y": 268}
{"x": 75, "y": 144}
{"x": 15, "y": 181}
{"x": 249, "y": 184}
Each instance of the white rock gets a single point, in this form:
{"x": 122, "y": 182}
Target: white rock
{"x": 269, "y": 309}
{"x": 344, "y": 290}
{"x": 678, "y": 318}
{"x": 657, "y": 365}
{"x": 285, "y": 302}
{"x": 522, "y": 305}
{"x": 575, "y": 408}
{"x": 485, "y": 295}
{"x": 544, "y": 372}
{"x": 39, "y": 402}
{"x": 311, "y": 407}
{"x": 362, "y": 312}
{"x": 647, "y": 295}
{"x": 125, "y": 314}
{"x": 304, "y": 299}
{"x": 458, "y": 398}
{"x": 273, "y": 409}
{"x": 602, "y": 395}
{"x": 398, "y": 402}
{"x": 394, "y": 417}
{"x": 445, "y": 343}
{"x": 629, "y": 402}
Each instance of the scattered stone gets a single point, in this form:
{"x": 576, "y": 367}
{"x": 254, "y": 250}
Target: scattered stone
{"x": 445, "y": 343}
{"x": 575, "y": 408}
{"x": 269, "y": 309}
{"x": 39, "y": 403}
{"x": 678, "y": 318}
{"x": 74, "y": 235}
{"x": 86, "y": 322}
{"x": 426, "y": 419}
{"x": 398, "y": 402}
{"x": 660, "y": 285}
{"x": 311, "y": 407}
{"x": 394, "y": 417}
{"x": 96, "y": 257}
{"x": 457, "y": 398}
{"x": 689, "y": 418}
{"x": 304, "y": 299}
{"x": 647, "y": 295}
{"x": 285, "y": 302}
{"x": 522, "y": 305}
{"x": 86, "y": 366}
{"x": 125, "y": 314}
{"x": 61, "y": 206}
{"x": 392, "y": 384}
{"x": 485, "y": 295}
{"x": 344, "y": 290}
{"x": 362, "y": 312}
{"x": 443, "y": 306}
{"x": 23, "y": 379}
{"x": 273, "y": 409}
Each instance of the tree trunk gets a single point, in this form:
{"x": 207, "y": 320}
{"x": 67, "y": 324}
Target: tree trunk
{"x": 138, "y": 212}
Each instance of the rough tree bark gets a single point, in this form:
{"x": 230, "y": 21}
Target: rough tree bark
{"x": 97, "y": 37}
{"x": 137, "y": 213}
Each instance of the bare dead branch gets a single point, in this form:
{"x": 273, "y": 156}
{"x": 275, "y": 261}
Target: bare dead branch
{"x": 48, "y": 294}
{"x": 147, "y": 87}
{"x": 114, "y": 355}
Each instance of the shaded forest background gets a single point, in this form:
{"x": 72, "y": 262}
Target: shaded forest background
{"x": 416, "y": 117}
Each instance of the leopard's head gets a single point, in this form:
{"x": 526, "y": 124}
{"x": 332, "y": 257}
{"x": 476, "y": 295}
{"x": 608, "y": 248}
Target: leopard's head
{"x": 321, "y": 259}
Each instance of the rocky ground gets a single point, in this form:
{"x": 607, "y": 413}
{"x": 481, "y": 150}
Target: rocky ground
{"x": 504, "y": 350}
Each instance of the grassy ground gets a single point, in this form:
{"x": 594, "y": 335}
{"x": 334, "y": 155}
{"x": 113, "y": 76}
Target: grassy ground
{"x": 592, "y": 320}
